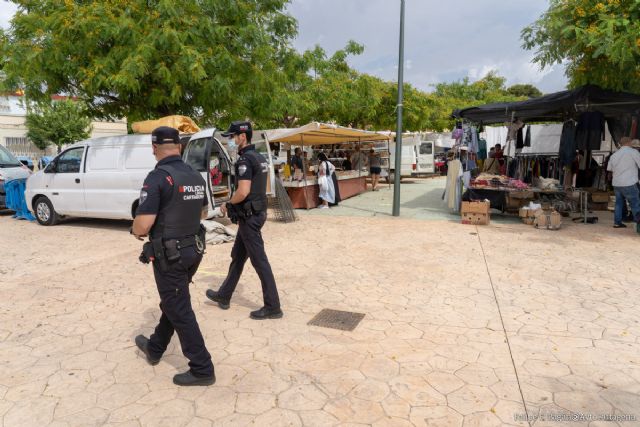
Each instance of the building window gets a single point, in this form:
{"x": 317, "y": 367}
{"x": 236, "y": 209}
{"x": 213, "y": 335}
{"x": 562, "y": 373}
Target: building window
{"x": 21, "y": 146}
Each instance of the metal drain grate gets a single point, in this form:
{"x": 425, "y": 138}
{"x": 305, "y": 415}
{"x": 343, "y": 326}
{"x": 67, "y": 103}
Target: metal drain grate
{"x": 336, "y": 319}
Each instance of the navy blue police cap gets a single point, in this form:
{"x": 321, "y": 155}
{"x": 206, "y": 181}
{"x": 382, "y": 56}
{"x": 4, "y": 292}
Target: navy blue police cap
{"x": 238, "y": 127}
{"x": 165, "y": 135}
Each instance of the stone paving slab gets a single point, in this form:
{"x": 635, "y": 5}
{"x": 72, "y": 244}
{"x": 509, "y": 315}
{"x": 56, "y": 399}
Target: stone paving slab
{"x": 435, "y": 348}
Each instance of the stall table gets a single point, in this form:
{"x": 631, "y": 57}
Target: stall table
{"x": 306, "y": 195}
{"x": 497, "y": 196}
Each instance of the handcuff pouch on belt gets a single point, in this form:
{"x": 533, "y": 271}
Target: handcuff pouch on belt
{"x": 245, "y": 210}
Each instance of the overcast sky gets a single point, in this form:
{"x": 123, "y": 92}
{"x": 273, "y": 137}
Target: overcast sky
{"x": 444, "y": 40}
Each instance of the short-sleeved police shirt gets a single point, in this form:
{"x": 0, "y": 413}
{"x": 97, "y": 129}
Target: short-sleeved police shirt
{"x": 158, "y": 188}
{"x": 244, "y": 167}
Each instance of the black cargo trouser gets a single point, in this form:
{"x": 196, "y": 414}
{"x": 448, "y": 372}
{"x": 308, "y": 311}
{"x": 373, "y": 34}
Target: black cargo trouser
{"x": 178, "y": 315}
{"x": 249, "y": 244}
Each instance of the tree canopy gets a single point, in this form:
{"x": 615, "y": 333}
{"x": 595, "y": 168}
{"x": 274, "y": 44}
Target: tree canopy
{"x": 143, "y": 59}
{"x": 598, "y": 40}
{"x": 57, "y": 123}
{"x": 215, "y": 61}
{"x": 524, "y": 90}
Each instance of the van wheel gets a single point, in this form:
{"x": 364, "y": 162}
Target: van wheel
{"x": 45, "y": 214}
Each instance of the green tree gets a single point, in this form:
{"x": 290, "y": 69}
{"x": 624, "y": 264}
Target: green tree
{"x": 529, "y": 91}
{"x": 462, "y": 94}
{"x": 147, "y": 58}
{"x": 57, "y": 123}
{"x": 598, "y": 40}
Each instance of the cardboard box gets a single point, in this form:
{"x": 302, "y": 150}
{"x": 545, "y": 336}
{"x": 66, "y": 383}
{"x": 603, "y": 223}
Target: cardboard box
{"x": 476, "y": 218}
{"x": 475, "y": 207}
{"x": 528, "y": 220}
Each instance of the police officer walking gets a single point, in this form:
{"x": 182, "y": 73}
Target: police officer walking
{"x": 172, "y": 202}
{"x": 249, "y": 205}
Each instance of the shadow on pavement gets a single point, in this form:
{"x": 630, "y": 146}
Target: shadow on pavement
{"x": 108, "y": 224}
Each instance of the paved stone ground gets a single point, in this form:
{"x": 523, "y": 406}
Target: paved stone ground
{"x": 464, "y": 325}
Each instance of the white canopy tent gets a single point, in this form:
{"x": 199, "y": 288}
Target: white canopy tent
{"x": 316, "y": 133}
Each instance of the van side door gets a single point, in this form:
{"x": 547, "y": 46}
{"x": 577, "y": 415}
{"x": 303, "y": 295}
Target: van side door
{"x": 263, "y": 148}
{"x": 425, "y": 157}
{"x": 220, "y": 173}
{"x": 105, "y": 183}
{"x": 66, "y": 182}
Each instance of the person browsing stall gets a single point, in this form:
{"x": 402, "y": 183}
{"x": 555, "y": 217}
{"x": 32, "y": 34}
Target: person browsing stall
{"x": 172, "y": 202}
{"x": 624, "y": 165}
{"x": 297, "y": 164}
{"x": 374, "y": 169}
{"x": 248, "y": 206}
{"x": 358, "y": 159}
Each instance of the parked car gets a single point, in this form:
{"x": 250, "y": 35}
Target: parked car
{"x": 10, "y": 168}
{"x": 26, "y": 160}
{"x": 102, "y": 177}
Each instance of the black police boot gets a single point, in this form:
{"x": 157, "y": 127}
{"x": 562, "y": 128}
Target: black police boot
{"x": 188, "y": 378}
{"x": 266, "y": 313}
{"x": 215, "y": 297}
{"x": 143, "y": 344}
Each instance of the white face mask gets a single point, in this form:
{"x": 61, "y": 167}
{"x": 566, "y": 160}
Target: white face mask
{"x": 231, "y": 144}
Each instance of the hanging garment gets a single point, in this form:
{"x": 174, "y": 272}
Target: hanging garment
{"x": 473, "y": 144}
{"x": 482, "y": 149}
{"x": 527, "y": 138}
{"x": 590, "y": 131}
{"x": 519, "y": 139}
{"x": 452, "y": 192}
{"x": 513, "y": 130}
{"x": 568, "y": 143}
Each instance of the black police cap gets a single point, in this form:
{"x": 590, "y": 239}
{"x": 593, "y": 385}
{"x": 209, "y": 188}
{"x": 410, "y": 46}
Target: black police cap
{"x": 165, "y": 135}
{"x": 238, "y": 127}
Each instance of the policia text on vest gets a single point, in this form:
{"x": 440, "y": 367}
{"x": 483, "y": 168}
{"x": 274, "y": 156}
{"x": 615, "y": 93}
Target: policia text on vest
{"x": 248, "y": 208}
{"x": 172, "y": 202}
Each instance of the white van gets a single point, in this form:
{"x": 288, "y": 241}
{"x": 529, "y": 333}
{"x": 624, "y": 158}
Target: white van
{"x": 408, "y": 161}
{"x": 10, "y": 168}
{"x": 425, "y": 159}
{"x": 102, "y": 177}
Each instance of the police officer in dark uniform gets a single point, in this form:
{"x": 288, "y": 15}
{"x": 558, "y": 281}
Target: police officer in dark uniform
{"x": 172, "y": 202}
{"x": 248, "y": 206}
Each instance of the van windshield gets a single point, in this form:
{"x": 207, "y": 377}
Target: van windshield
{"x": 7, "y": 159}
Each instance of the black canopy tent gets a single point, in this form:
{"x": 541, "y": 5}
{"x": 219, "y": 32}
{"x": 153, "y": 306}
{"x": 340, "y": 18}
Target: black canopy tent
{"x": 617, "y": 107}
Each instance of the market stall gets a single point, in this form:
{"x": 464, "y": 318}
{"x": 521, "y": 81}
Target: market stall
{"x": 558, "y": 162}
{"x": 304, "y": 191}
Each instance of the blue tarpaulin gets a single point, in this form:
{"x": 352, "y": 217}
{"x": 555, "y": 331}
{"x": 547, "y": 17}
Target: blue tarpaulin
{"x": 15, "y": 199}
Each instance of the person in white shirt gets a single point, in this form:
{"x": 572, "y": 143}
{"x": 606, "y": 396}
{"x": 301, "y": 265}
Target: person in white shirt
{"x": 624, "y": 165}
